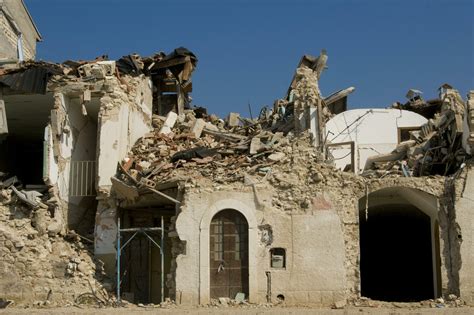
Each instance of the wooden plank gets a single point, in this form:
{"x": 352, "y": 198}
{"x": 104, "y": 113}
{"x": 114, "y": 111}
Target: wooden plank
{"x": 171, "y": 62}
{"x": 163, "y": 195}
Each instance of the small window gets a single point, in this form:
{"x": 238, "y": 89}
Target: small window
{"x": 278, "y": 257}
{"x": 404, "y": 133}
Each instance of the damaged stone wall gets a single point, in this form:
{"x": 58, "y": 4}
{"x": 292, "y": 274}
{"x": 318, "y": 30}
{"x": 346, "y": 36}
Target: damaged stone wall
{"x": 272, "y": 172}
{"x": 39, "y": 268}
{"x": 324, "y": 195}
{"x": 73, "y": 140}
{"x": 468, "y": 124}
{"x": 291, "y": 185}
{"x": 459, "y": 212}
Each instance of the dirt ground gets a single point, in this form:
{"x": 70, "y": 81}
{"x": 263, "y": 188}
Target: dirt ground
{"x": 236, "y": 310}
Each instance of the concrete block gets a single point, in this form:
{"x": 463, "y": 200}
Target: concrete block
{"x": 255, "y": 145}
{"x": 340, "y": 304}
{"x": 197, "y": 127}
{"x": 169, "y": 123}
{"x": 301, "y": 296}
{"x": 233, "y": 119}
{"x": 3, "y": 118}
{"x": 211, "y": 127}
{"x": 277, "y": 156}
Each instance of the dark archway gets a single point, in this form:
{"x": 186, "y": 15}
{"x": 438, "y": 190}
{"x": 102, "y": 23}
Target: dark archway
{"x": 396, "y": 253}
{"x": 228, "y": 259}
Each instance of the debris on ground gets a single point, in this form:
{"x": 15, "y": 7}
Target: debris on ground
{"x": 40, "y": 268}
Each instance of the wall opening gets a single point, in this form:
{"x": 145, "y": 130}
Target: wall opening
{"x": 22, "y": 148}
{"x": 278, "y": 258}
{"x": 398, "y": 249}
{"x": 82, "y": 120}
{"x": 229, "y": 259}
{"x": 140, "y": 264}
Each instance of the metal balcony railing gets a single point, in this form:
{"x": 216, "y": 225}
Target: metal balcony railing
{"x": 82, "y": 179}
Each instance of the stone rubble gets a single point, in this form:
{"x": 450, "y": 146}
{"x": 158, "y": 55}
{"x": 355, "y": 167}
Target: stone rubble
{"x": 40, "y": 268}
{"x": 434, "y": 149}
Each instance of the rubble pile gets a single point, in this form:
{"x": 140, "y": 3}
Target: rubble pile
{"x": 38, "y": 267}
{"x": 41, "y": 76}
{"x": 292, "y": 113}
{"x": 196, "y": 144}
{"x": 436, "y": 148}
{"x": 207, "y": 146}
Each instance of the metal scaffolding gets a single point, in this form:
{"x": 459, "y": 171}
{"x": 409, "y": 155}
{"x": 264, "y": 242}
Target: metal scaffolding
{"x": 135, "y": 232}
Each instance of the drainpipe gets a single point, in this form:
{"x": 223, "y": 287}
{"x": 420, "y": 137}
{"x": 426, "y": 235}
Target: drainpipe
{"x": 269, "y": 286}
{"x": 21, "y": 57}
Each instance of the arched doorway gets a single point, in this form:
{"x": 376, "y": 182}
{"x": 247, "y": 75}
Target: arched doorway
{"x": 399, "y": 245}
{"x": 228, "y": 259}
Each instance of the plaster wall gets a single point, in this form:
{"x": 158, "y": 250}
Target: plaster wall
{"x": 315, "y": 252}
{"x": 77, "y": 142}
{"x": 123, "y": 119}
{"x": 105, "y": 237}
{"x": 51, "y": 170}
{"x": 374, "y": 131}
{"x": 465, "y": 219}
{"x": 113, "y": 142}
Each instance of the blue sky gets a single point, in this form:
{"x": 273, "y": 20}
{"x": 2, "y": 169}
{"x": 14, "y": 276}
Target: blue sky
{"x": 248, "y": 50}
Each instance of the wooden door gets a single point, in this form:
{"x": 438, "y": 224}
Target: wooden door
{"x": 229, "y": 254}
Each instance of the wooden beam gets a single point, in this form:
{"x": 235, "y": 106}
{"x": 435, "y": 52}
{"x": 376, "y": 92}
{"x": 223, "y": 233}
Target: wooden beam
{"x": 163, "y": 195}
{"x": 171, "y": 62}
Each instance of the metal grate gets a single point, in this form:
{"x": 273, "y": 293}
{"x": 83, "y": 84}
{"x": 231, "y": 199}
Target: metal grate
{"x": 82, "y": 179}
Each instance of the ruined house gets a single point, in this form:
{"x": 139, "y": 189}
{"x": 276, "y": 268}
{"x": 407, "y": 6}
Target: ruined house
{"x": 302, "y": 204}
{"x": 254, "y": 208}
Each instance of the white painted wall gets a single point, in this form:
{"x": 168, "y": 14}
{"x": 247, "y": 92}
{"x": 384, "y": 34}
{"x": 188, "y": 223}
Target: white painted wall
{"x": 374, "y": 131}
{"x": 465, "y": 219}
{"x": 51, "y": 171}
{"x": 122, "y": 121}
{"x": 315, "y": 252}
{"x": 121, "y": 124}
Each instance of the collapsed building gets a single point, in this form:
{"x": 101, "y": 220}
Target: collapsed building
{"x": 308, "y": 203}
{"x": 257, "y": 207}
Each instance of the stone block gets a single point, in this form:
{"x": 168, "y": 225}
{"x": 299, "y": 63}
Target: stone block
{"x": 169, "y": 123}
{"x": 339, "y": 295}
{"x": 255, "y": 145}
{"x": 211, "y": 127}
{"x": 327, "y": 298}
{"x": 233, "y": 119}
{"x": 299, "y": 297}
{"x": 277, "y": 156}
{"x": 197, "y": 127}
{"x": 340, "y": 304}
{"x": 314, "y": 297}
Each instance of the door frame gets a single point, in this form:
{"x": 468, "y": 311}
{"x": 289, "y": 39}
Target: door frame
{"x": 204, "y": 250}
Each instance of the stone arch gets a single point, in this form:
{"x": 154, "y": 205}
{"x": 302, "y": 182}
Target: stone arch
{"x": 204, "y": 275}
